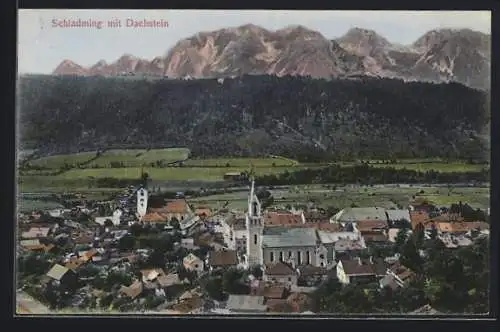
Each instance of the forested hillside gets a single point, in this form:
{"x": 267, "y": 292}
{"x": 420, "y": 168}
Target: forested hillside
{"x": 297, "y": 117}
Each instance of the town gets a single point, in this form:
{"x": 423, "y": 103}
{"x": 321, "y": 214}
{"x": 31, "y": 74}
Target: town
{"x": 127, "y": 255}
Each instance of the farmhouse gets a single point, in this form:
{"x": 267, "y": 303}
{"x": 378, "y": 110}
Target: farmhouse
{"x": 178, "y": 209}
{"x": 358, "y": 270}
{"x": 281, "y": 273}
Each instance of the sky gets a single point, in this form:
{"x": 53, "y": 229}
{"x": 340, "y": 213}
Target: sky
{"x": 43, "y": 46}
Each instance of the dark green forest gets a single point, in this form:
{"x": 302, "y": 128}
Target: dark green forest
{"x": 296, "y": 117}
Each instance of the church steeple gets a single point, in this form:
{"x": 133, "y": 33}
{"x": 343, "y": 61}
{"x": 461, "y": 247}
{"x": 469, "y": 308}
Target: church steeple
{"x": 255, "y": 225}
{"x": 253, "y": 202}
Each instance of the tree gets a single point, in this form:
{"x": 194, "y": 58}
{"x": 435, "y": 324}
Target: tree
{"x": 127, "y": 242}
{"x": 400, "y": 240}
{"x": 233, "y": 283}
{"x": 256, "y": 271}
{"x": 175, "y": 223}
{"x": 213, "y": 288}
{"x": 418, "y": 235}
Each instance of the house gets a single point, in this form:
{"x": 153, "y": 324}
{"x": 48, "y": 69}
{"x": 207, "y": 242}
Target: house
{"x": 375, "y": 238}
{"x": 192, "y": 263}
{"x": 281, "y": 273}
{"x": 316, "y": 217}
{"x": 188, "y": 243}
{"x": 397, "y": 276}
{"x": 115, "y": 218}
{"x": 132, "y": 291}
{"x": 234, "y": 232}
{"x": 358, "y": 270}
{"x": 222, "y": 259}
{"x": 149, "y": 275}
{"x": 178, "y": 209}
{"x": 357, "y": 214}
{"x": 62, "y": 275}
{"x": 166, "y": 281}
{"x": 35, "y": 245}
{"x": 371, "y": 225}
{"x": 309, "y": 275}
{"x": 153, "y": 218}
{"x": 246, "y": 304}
{"x": 203, "y": 212}
{"x": 345, "y": 248}
{"x": 74, "y": 263}
{"x": 398, "y": 217}
{"x": 36, "y": 232}
{"x": 283, "y": 219}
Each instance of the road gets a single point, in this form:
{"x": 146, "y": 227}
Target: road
{"x": 25, "y": 304}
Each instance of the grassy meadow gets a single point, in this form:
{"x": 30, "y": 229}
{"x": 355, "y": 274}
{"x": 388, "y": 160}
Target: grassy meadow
{"x": 133, "y": 161}
{"x": 388, "y": 197}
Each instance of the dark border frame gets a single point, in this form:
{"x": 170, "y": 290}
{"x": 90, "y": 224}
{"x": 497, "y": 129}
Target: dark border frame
{"x": 8, "y": 126}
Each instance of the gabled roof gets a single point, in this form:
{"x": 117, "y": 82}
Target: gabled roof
{"x": 282, "y": 219}
{"x": 133, "y": 290}
{"x": 356, "y": 267}
{"x": 368, "y": 225}
{"x": 57, "y": 272}
{"x": 311, "y": 270}
{"x": 223, "y": 258}
{"x": 280, "y": 268}
{"x": 177, "y": 206}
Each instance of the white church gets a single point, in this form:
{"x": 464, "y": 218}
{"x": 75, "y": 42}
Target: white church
{"x": 296, "y": 246}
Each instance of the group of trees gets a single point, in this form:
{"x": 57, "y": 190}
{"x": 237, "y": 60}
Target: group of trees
{"x": 450, "y": 280}
{"x": 297, "y": 117}
{"x": 220, "y": 284}
{"x": 370, "y": 175}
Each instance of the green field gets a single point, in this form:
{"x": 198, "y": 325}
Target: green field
{"x": 438, "y": 167}
{"x": 129, "y": 158}
{"x": 241, "y": 162}
{"x": 388, "y": 197}
{"x": 133, "y": 161}
{"x": 60, "y": 160}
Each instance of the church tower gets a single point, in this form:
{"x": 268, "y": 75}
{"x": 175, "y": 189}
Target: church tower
{"x": 142, "y": 202}
{"x": 255, "y": 227}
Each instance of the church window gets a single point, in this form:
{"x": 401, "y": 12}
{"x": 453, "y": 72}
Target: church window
{"x": 281, "y": 256}
{"x": 272, "y": 256}
{"x": 308, "y": 257}
{"x": 299, "y": 258}
{"x": 289, "y": 254}
{"x": 255, "y": 239}
{"x": 255, "y": 208}
{"x": 322, "y": 256}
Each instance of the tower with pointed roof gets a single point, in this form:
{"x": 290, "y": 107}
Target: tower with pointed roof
{"x": 255, "y": 228}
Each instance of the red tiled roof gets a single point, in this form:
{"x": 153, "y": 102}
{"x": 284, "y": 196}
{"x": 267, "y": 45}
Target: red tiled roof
{"x": 282, "y": 219}
{"x": 177, "y": 206}
{"x": 367, "y": 225}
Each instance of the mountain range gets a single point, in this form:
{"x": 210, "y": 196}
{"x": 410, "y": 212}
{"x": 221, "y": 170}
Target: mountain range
{"x": 440, "y": 55}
